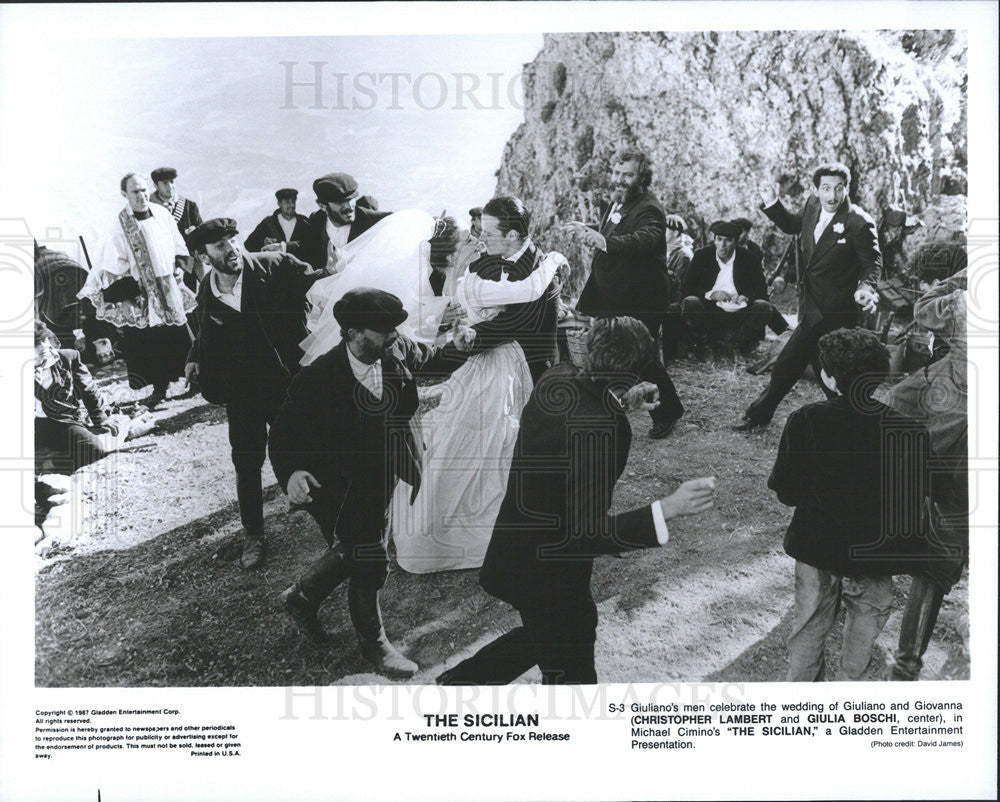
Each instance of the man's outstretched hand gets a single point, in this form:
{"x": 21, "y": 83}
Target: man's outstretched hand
{"x": 691, "y": 498}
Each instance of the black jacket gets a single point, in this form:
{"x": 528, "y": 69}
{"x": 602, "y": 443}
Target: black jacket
{"x": 704, "y": 270}
{"x": 273, "y": 297}
{"x": 571, "y": 448}
{"x": 857, "y": 476}
{"x": 631, "y": 277}
{"x": 532, "y": 325}
{"x": 318, "y": 240}
{"x": 846, "y": 256}
{"x": 270, "y": 227}
{"x": 318, "y": 427}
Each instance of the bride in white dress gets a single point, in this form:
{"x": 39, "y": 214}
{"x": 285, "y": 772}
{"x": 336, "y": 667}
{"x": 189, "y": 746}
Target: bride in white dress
{"x": 469, "y": 437}
{"x": 469, "y": 440}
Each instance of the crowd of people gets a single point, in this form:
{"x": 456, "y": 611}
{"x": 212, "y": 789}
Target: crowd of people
{"x": 314, "y": 332}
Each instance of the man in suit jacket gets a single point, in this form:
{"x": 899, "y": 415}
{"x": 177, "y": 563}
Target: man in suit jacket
{"x": 341, "y": 440}
{"x": 184, "y": 211}
{"x": 251, "y": 318}
{"x": 338, "y": 220}
{"x": 571, "y": 448}
{"x": 628, "y": 273}
{"x": 842, "y": 269}
{"x": 726, "y": 273}
{"x": 282, "y": 230}
{"x": 512, "y": 256}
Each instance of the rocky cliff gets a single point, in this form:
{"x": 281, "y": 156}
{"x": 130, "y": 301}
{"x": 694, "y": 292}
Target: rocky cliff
{"x": 720, "y": 113}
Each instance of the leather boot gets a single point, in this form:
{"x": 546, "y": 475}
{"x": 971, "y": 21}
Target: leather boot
{"x": 372, "y": 641}
{"x": 302, "y": 600}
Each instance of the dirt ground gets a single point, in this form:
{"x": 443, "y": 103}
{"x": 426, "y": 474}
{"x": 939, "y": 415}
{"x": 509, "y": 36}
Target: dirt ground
{"x": 138, "y": 583}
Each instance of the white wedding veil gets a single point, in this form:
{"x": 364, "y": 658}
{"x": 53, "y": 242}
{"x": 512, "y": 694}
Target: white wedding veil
{"x": 394, "y": 256}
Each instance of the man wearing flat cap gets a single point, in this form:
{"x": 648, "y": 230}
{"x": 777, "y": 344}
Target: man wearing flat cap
{"x": 340, "y": 442}
{"x": 338, "y": 220}
{"x": 283, "y": 230}
{"x": 251, "y": 319}
{"x": 185, "y": 213}
{"x": 724, "y": 291}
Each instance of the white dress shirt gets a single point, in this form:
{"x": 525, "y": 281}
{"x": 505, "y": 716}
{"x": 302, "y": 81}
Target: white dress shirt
{"x": 233, "y": 298}
{"x": 824, "y": 220}
{"x": 369, "y": 376}
{"x": 288, "y": 226}
{"x": 338, "y": 237}
{"x": 724, "y": 281}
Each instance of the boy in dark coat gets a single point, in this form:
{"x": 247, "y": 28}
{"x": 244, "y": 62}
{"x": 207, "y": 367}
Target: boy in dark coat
{"x": 856, "y": 472}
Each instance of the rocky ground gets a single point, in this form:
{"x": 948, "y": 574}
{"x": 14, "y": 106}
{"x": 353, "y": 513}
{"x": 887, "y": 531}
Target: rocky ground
{"x": 137, "y": 583}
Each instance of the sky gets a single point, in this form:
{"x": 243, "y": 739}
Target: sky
{"x": 420, "y": 121}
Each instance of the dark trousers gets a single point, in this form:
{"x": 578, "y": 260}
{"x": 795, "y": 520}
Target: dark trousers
{"x": 705, "y": 319}
{"x": 798, "y": 353}
{"x": 670, "y": 408}
{"x": 559, "y": 642}
{"x": 252, "y": 406}
{"x": 155, "y": 355}
{"x": 354, "y": 521}
{"x": 74, "y": 444}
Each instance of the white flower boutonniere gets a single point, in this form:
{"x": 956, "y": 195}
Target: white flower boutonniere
{"x": 616, "y": 218}
{"x": 838, "y": 228}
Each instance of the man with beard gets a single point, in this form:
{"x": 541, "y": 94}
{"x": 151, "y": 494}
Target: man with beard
{"x": 340, "y": 442}
{"x": 338, "y": 220}
{"x": 136, "y": 287}
{"x": 843, "y": 264}
{"x": 184, "y": 211}
{"x": 628, "y": 273}
{"x": 283, "y": 230}
{"x": 251, "y": 315}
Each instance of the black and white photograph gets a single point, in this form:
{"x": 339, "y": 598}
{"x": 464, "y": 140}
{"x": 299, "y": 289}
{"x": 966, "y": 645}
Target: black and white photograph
{"x": 458, "y": 348}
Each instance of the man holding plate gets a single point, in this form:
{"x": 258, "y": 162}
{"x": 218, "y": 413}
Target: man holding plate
{"x": 724, "y": 290}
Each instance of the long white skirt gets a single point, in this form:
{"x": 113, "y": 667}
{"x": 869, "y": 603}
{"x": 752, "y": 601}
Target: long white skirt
{"x": 469, "y": 441}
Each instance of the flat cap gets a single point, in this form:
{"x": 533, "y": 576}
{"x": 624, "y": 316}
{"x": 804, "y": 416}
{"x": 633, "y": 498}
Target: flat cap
{"x": 743, "y": 223}
{"x": 726, "y": 228}
{"x": 335, "y": 188}
{"x": 676, "y": 223}
{"x": 163, "y": 174}
{"x": 476, "y": 211}
{"x": 368, "y": 308}
{"x": 286, "y": 194}
{"x": 212, "y": 231}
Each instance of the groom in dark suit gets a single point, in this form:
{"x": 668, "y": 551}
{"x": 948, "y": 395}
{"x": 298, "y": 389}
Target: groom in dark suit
{"x": 512, "y": 256}
{"x": 843, "y": 265}
{"x": 628, "y": 275}
{"x": 340, "y": 441}
{"x": 572, "y": 445}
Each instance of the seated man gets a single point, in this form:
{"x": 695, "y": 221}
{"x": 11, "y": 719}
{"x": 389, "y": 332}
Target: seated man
{"x": 724, "y": 291}
{"x": 856, "y": 472}
{"x": 72, "y": 424}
